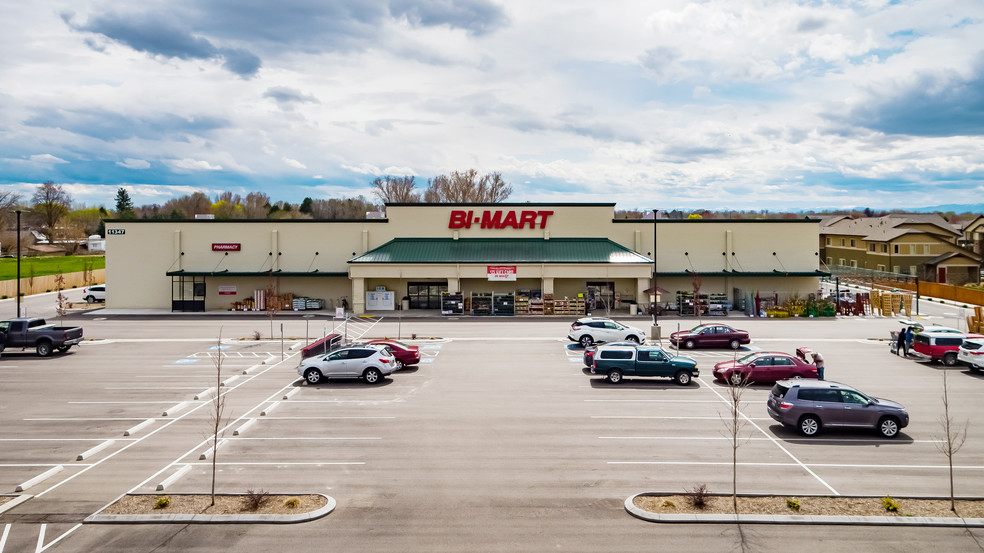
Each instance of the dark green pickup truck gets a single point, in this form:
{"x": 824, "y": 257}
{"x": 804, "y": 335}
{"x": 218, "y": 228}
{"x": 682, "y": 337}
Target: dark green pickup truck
{"x": 617, "y": 362}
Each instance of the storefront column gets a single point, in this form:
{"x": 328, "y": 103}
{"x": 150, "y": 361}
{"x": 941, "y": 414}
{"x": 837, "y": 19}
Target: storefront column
{"x": 454, "y": 284}
{"x": 642, "y": 298}
{"x": 548, "y": 285}
{"x": 358, "y": 296}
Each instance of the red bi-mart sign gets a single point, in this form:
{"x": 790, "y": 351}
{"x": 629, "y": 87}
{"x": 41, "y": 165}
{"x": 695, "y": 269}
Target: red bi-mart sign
{"x": 226, "y": 247}
{"x": 502, "y": 272}
{"x": 499, "y": 219}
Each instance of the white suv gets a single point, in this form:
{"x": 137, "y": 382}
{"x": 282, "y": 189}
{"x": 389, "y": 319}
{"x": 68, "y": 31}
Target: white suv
{"x": 971, "y": 354}
{"x": 92, "y": 294}
{"x": 589, "y": 330}
{"x": 370, "y": 363}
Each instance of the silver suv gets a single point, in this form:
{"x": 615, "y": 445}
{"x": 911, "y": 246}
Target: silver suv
{"x": 811, "y": 405}
{"x": 370, "y": 363}
{"x": 971, "y": 354}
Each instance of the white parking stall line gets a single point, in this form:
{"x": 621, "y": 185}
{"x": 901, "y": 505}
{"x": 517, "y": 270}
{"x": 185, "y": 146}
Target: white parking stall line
{"x": 668, "y": 418}
{"x": 155, "y": 388}
{"x": 317, "y": 438}
{"x": 797, "y": 465}
{"x": 139, "y": 427}
{"x": 64, "y": 419}
{"x": 776, "y": 442}
{"x": 276, "y": 463}
{"x": 161, "y": 429}
{"x": 326, "y": 418}
{"x": 164, "y": 484}
{"x": 40, "y": 478}
{"x": 92, "y": 451}
{"x": 61, "y": 537}
{"x": 40, "y": 546}
{"x": 651, "y": 401}
{"x": 59, "y": 439}
{"x": 3, "y": 538}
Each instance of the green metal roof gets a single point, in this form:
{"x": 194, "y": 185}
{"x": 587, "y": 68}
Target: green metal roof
{"x": 501, "y": 250}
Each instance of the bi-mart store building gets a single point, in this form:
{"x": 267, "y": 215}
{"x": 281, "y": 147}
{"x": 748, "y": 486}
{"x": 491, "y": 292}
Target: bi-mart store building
{"x": 462, "y": 258}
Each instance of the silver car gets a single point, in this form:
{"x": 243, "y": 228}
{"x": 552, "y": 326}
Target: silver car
{"x": 811, "y": 405}
{"x": 369, "y": 362}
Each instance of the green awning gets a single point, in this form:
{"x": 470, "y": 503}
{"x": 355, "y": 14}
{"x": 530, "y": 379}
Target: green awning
{"x": 227, "y": 273}
{"x": 501, "y": 250}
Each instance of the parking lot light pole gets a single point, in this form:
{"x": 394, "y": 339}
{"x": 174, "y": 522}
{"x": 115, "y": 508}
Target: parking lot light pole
{"x": 18, "y": 263}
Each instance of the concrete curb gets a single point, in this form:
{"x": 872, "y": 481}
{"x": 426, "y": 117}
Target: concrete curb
{"x": 179, "y": 518}
{"x": 18, "y": 499}
{"x": 724, "y": 518}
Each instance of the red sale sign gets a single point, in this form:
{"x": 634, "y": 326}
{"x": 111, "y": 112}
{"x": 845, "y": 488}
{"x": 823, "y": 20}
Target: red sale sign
{"x": 502, "y": 272}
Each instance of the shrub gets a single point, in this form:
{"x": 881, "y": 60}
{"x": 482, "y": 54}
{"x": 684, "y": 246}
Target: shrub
{"x": 792, "y": 504}
{"x": 292, "y": 503}
{"x": 669, "y": 504}
{"x": 162, "y": 502}
{"x": 254, "y": 499}
{"x": 697, "y": 496}
{"x": 4, "y": 297}
{"x": 256, "y": 335}
{"x": 890, "y": 504}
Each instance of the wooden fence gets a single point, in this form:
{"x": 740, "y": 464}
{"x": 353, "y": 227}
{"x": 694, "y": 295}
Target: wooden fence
{"x": 959, "y": 294}
{"x": 46, "y": 283}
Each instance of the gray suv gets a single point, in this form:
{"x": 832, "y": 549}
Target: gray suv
{"x": 810, "y": 405}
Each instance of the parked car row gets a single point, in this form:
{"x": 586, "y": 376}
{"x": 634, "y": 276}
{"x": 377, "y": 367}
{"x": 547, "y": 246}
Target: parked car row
{"x": 943, "y": 344}
{"x": 372, "y": 361}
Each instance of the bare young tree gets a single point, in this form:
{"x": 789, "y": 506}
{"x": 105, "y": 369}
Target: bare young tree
{"x": 51, "y": 204}
{"x": 62, "y": 300}
{"x": 395, "y": 189}
{"x": 216, "y": 411}
{"x": 953, "y": 438}
{"x": 467, "y": 187}
{"x": 697, "y": 281}
{"x": 734, "y": 424}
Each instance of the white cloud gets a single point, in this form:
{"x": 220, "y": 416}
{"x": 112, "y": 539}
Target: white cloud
{"x": 131, "y": 163}
{"x": 294, "y": 163}
{"x": 46, "y": 159}
{"x": 192, "y": 165}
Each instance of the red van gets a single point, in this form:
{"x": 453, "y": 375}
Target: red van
{"x": 939, "y": 346}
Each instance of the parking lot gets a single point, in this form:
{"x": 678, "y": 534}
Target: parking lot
{"x": 497, "y": 441}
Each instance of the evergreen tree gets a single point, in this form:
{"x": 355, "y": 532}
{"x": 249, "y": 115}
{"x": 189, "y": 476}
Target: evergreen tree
{"x": 124, "y": 205}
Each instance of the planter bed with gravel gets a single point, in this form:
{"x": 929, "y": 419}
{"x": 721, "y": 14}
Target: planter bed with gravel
{"x": 228, "y": 508}
{"x": 808, "y": 509}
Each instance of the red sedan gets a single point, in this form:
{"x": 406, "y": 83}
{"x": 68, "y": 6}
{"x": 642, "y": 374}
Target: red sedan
{"x": 406, "y": 355}
{"x": 710, "y": 335}
{"x": 764, "y": 366}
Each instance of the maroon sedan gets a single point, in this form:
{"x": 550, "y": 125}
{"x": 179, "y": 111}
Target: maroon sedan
{"x": 710, "y": 335}
{"x": 764, "y": 366}
{"x": 406, "y": 355}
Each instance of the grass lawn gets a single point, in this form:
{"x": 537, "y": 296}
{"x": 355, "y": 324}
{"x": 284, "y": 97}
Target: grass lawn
{"x": 50, "y": 265}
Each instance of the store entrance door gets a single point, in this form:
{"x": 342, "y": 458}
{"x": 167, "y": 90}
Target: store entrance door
{"x": 426, "y": 295}
{"x": 601, "y": 295}
{"x": 188, "y": 293}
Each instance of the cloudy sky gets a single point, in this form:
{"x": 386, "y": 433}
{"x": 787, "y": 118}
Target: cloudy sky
{"x": 743, "y": 104}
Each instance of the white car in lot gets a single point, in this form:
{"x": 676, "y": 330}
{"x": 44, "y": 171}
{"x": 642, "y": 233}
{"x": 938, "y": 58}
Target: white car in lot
{"x": 371, "y": 363}
{"x": 589, "y": 330}
{"x": 971, "y": 354}
{"x": 92, "y": 294}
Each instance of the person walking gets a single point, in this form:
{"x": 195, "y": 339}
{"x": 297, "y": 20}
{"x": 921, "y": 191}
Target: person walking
{"x": 908, "y": 340}
{"x": 900, "y": 349}
{"x": 818, "y": 361}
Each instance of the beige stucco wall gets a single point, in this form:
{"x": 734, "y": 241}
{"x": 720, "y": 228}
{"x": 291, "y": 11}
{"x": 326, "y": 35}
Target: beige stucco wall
{"x": 138, "y": 260}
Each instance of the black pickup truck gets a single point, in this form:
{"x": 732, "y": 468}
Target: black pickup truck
{"x": 36, "y": 333}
